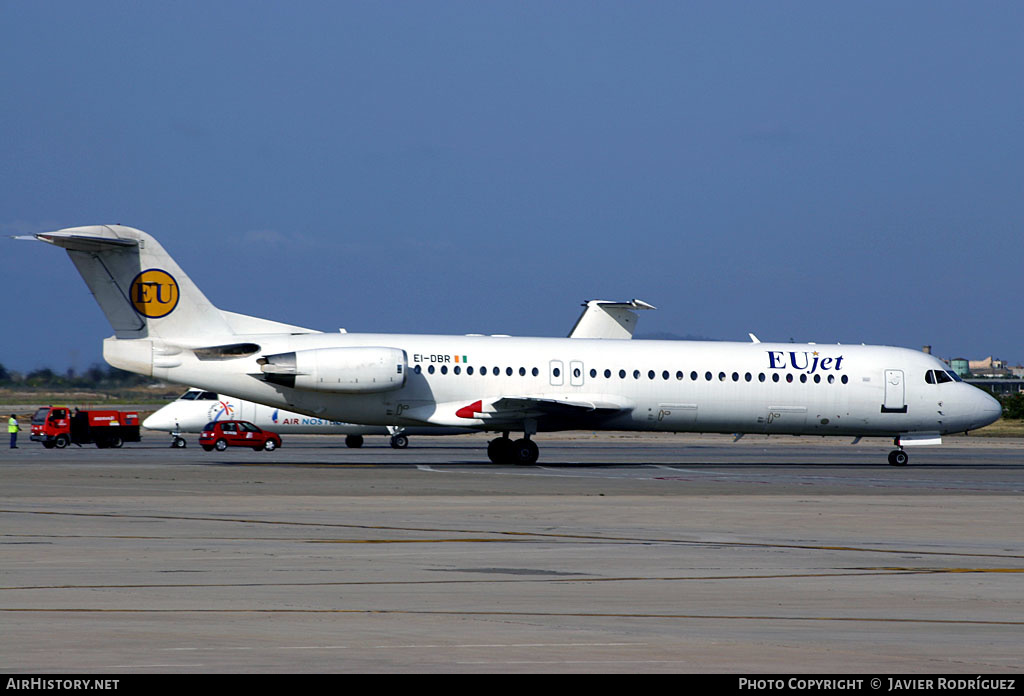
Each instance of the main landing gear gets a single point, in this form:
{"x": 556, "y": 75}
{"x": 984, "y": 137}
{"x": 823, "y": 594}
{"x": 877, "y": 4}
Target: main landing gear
{"x": 398, "y": 441}
{"x": 503, "y": 450}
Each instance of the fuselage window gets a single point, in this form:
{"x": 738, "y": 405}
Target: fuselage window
{"x": 721, "y": 376}
{"x": 622, "y": 374}
{"x": 417, "y": 369}
{"x": 593, "y": 373}
{"x": 735, "y": 376}
{"x": 708, "y": 376}
{"x": 495, "y": 371}
{"x": 817, "y": 379}
{"x": 789, "y": 378}
{"x": 457, "y": 370}
{"x": 775, "y": 377}
{"x": 803, "y": 379}
{"x": 522, "y": 371}
{"x": 535, "y": 372}
{"x": 508, "y": 371}
{"x": 693, "y": 375}
{"x": 607, "y": 374}
{"x": 650, "y": 374}
{"x": 831, "y": 379}
{"x": 430, "y": 369}
{"x": 576, "y": 372}
{"x": 748, "y": 377}
{"x": 845, "y": 379}
{"x": 469, "y": 370}
{"x": 679, "y": 375}
{"x": 556, "y": 372}
{"x": 444, "y": 369}
{"x": 664, "y": 375}
{"x": 636, "y": 374}
{"x": 760, "y": 377}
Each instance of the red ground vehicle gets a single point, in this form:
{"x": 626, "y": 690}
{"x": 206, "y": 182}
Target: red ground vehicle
{"x": 220, "y": 435}
{"x": 60, "y": 426}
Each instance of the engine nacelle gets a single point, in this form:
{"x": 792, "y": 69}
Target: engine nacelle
{"x": 357, "y": 370}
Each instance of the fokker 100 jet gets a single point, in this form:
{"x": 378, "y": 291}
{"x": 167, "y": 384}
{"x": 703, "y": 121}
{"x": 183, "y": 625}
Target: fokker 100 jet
{"x": 165, "y": 326}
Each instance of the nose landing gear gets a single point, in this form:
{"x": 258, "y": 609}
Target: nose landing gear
{"x": 898, "y": 457}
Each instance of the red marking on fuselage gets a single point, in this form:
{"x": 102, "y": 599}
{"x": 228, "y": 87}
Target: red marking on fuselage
{"x": 471, "y": 410}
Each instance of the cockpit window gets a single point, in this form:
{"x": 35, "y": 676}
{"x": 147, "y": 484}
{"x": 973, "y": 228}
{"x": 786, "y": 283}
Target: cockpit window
{"x": 198, "y": 395}
{"x": 941, "y": 377}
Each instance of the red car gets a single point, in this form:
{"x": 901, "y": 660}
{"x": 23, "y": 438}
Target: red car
{"x": 219, "y": 435}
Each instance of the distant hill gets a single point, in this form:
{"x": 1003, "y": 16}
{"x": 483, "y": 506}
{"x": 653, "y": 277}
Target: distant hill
{"x": 665, "y": 336}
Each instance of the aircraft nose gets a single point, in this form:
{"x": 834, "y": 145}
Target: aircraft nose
{"x": 993, "y": 408}
{"x": 985, "y": 408}
{"x": 157, "y": 421}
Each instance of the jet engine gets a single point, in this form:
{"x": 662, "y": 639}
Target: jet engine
{"x": 357, "y": 370}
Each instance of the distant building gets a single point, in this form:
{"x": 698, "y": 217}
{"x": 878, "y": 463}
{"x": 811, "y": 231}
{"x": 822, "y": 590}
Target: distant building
{"x": 988, "y": 363}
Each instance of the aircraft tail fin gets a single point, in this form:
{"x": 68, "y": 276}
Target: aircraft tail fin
{"x": 143, "y": 291}
{"x": 604, "y": 319}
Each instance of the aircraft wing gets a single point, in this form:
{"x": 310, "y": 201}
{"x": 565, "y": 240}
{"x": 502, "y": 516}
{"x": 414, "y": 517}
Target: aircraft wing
{"x": 513, "y": 410}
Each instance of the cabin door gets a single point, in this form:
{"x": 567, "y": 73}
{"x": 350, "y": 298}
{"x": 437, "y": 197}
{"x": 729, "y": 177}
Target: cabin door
{"x": 895, "y": 392}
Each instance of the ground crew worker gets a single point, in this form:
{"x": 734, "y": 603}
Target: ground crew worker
{"x": 13, "y": 428}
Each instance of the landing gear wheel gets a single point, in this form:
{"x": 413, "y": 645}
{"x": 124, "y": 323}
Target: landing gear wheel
{"x": 399, "y": 441}
{"x": 501, "y": 450}
{"x": 179, "y": 442}
{"x": 354, "y": 441}
{"x": 898, "y": 458}
{"x": 525, "y": 452}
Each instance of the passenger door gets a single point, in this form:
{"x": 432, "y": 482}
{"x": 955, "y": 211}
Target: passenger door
{"x": 576, "y": 373}
{"x": 556, "y": 376}
{"x": 895, "y": 392}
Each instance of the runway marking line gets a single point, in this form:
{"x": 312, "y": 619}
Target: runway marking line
{"x": 507, "y": 533}
{"x": 849, "y": 573}
{"x": 542, "y": 614}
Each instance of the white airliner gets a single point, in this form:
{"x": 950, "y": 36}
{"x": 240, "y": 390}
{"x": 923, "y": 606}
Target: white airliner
{"x": 166, "y": 327}
{"x": 191, "y": 412}
{"x": 194, "y": 409}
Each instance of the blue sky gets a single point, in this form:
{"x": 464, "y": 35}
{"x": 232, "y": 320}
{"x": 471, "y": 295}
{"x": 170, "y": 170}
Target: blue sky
{"x": 830, "y": 172}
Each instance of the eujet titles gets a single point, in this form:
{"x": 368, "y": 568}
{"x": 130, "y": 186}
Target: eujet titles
{"x": 164, "y": 326}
